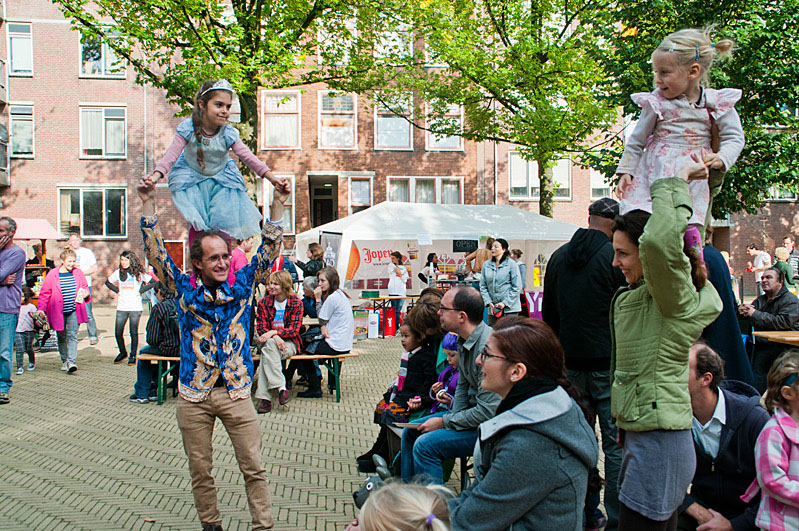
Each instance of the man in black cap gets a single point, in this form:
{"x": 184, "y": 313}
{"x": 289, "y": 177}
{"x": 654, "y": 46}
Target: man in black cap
{"x": 579, "y": 285}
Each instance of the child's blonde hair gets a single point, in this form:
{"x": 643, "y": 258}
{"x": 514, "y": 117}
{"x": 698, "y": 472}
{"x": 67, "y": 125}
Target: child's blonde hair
{"x": 784, "y": 368}
{"x": 781, "y": 253}
{"x": 406, "y": 507}
{"x": 689, "y": 46}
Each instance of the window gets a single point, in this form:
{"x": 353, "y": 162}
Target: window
{"x": 441, "y": 190}
{"x": 599, "y": 188}
{"x": 781, "y": 194}
{"x": 21, "y": 117}
{"x": 392, "y": 123}
{"x": 288, "y": 207}
{"x": 97, "y": 59}
{"x": 335, "y": 42}
{"x": 360, "y": 194}
{"x": 432, "y": 59}
{"x": 452, "y": 118}
{"x": 20, "y": 43}
{"x": 395, "y": 43}
{"x": 524, "y": 183}
{"x": 95, "y": 212}
{"x": 337, "y": 121}
{"x": 102, "y": 132}
{"x": 281, "y": 120}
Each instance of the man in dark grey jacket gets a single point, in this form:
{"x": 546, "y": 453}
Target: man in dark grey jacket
{"x": 579, "y": 285}
{"x": 776, "y": 309}
{"x": 453, "y": 434}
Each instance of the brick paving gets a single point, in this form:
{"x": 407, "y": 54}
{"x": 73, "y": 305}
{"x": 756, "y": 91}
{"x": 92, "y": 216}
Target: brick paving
{"x": 76, "y": 454}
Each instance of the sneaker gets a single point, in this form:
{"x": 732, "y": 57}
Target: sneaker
{"x": 264, "y": 406}
{"x": 136, "y": 400}
{"x": 20, "y": 371}
{"x": 131, "y": 361}
{"x": 283, "y": 397}
{"x": 93, "y": 340}
{"x": 31, "y": 366}
{"x": 152, "y": 398}
{"x": 4, "y": 398}
{"x": 64, "y": 367}
{"x": 120, "y": 357}
{"x": 596, "y": 525}
{"x": 71, "y": 367}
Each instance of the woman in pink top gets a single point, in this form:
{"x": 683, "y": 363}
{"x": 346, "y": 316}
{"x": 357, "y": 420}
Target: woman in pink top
{"x": 63, "y": 299}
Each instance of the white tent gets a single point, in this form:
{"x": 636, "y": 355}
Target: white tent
{"x": 415, "y": 229}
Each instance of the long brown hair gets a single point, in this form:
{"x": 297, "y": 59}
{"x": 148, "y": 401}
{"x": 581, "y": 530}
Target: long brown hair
{"x": 786, "y": 366}
{"x": 534, "y": 344}
{"x": 197, "y": 116}
{"x": 331, "y": 275}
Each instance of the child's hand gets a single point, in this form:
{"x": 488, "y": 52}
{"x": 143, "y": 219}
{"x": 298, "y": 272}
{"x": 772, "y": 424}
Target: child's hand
{"x": 414, "y": 403}
{"x": 712, "y": 160}
{"x": 436, "y": 387}
{"x": 625, "y": 182}
{"x": 444, "y": 397}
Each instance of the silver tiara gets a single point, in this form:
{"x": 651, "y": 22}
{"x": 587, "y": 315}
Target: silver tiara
{"x": 222, "y": 84}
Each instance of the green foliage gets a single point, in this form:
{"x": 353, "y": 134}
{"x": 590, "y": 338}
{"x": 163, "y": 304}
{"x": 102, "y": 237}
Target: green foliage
{"x": 525, "y": 72}
{"x": 764, "y": 65}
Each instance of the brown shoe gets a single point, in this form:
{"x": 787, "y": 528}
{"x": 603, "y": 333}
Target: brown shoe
{"x": 283, "y": 397}
{"x": 264, "y": 406}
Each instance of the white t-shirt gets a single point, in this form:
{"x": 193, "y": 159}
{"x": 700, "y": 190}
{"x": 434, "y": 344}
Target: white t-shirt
{"x": 25, "y": 322}
{"x": 85, "y": 259}
{"x": 336, "y": 310}
{"x": 280, "y": 312}
{"x": 396, "y": 283}
{"x": 129, "y": 299}
{"x": 761, "y": 260}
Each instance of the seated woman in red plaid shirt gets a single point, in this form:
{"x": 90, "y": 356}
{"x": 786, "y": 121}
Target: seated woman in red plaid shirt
{"x": 278, "y": 321}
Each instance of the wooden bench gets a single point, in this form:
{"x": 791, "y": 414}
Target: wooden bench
{"x": 166, "y": 365}
{"x": 333, "y": 364}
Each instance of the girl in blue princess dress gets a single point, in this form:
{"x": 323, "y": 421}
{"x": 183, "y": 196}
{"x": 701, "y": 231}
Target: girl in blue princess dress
{"x": 206, "y": 185}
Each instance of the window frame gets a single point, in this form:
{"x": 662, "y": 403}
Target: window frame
{"x": 354, "y": 113}
{"x": 351, "y": 24}
{"x": 439, "y": 180}
{"x": 11, "y": 121}
{"x": 595, "y": 174}
{"x": 123, "y": 73}
{"x": 428, "y": 140}
{"x": 776, "y": 195}
{"x": 537, "y": 197}
{"x": 82, "y": 188}
{"x": 290, "y": 202}
{"x": 350, "y": 204}
{"x": 264, "y": 93}
{"x": 381, "y": 37}
{"x": 388, "y": 113}
{"x": 10, "y": 36}
{"x": 104, "y": 107}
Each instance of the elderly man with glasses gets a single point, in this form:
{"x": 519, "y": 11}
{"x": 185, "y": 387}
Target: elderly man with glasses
{"x": 453, "y": 434}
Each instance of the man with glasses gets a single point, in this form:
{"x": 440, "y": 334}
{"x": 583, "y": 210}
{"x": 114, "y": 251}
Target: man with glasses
{"x": 452, "y": 434}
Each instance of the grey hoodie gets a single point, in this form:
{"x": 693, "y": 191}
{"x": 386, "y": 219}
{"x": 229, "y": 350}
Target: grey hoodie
{"x": 531, "y": 468}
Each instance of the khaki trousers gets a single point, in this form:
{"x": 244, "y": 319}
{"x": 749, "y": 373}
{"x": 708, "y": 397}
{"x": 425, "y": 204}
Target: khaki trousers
{"x": 270, "y": 371}
{"x": 196, "y": 422}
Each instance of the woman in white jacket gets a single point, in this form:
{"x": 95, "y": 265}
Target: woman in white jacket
{"x": 397, "y": 283}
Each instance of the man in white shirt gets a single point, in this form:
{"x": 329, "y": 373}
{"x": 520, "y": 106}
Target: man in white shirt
{"x": 727, "y": 421}
{"x": 86, "y": 262}
{"x": 762, "y": 261}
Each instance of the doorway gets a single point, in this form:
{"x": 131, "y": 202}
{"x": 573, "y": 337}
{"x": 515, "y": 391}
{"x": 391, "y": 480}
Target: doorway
{"x": 323, "y": 190}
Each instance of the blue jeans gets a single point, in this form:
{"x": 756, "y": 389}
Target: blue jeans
{"x": 8, "y": 329}
{"x": 91, "y": 325}
{"x": 422, "y": 453}
{"x": 397, "y": 305}
{"x": 146, "y": 374}
{"x": 68, "y": 338}
{"x": 596, "y": 386}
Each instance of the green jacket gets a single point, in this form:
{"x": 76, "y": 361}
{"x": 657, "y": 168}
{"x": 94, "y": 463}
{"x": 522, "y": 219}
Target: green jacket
{"x": 654, "y": 324}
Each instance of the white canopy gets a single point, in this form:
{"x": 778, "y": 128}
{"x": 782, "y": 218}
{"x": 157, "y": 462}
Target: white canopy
{"x": 431, "y": 228}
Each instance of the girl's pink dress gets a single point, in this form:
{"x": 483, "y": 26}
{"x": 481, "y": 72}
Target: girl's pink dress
{"x": 667, "y": 133}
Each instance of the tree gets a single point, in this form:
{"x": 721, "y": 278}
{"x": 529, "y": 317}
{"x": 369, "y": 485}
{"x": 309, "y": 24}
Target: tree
{"x": 764, "y": 66}
{"x": 176, "y": 44}
{"x": 524, "y": 72}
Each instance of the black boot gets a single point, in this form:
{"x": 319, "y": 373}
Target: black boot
{"x": 380, "y": 447}
{"x": 314, "y": 387}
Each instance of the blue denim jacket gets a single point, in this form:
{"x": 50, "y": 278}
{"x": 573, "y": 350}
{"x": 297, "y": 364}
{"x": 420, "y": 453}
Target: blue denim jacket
{"x": 214, "y": 327}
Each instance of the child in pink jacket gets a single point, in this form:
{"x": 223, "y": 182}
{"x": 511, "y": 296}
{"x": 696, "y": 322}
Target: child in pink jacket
{"x": 777, "y": 450}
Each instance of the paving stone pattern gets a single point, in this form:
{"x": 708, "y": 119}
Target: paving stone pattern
{"x": 76, "y": 454}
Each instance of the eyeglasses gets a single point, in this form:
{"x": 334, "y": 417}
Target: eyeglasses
{"x": 484, "y": 354}
{"x": 450, "y": 309}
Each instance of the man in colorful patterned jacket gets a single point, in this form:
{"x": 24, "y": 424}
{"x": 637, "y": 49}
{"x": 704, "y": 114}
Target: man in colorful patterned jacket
{"x": 216, "y": 368}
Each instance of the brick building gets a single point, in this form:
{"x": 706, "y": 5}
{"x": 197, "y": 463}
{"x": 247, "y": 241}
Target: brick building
{"x": 82, "y": 133}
